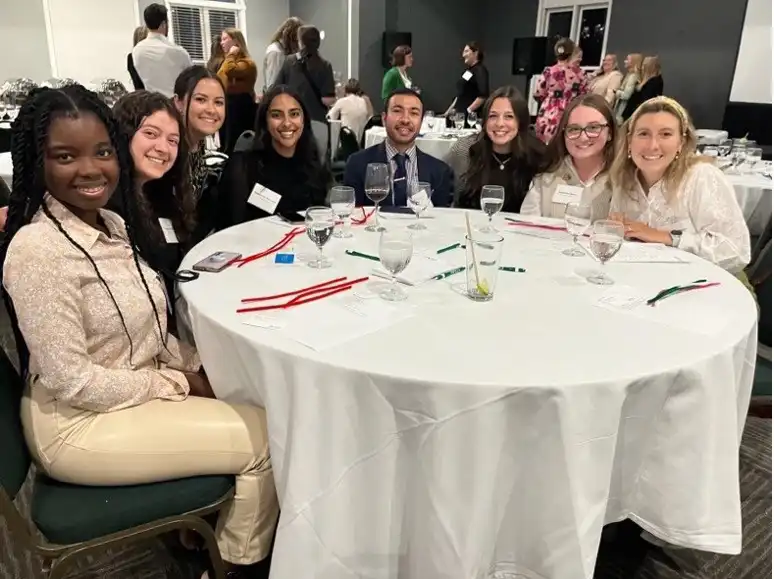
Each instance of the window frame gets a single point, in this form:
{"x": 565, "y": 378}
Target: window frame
{"x": 547, "y": 7}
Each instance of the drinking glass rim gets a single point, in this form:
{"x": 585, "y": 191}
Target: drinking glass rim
{"x": 494, "y": 238}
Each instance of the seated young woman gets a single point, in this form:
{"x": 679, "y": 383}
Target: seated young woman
{"x": 201, "y": 100}
{"x": 283, "y": 159}
{"x": 87, "y": 314}
{"x": 505, "y": 153}
{"x": 666, "y": 193}
{"x": 162, "y": 207}
{"x": 579, "y": 157}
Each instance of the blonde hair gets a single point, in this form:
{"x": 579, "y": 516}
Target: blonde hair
{"x": 635, "y": 62}
{"x": 287, "y": 35}
{"x": 140, "y": 34}
{"x": 615, "y": 60}
{"x": 623, "y": 173}
{"x": 651, "y": 66}
{"x": 239, "y": 39}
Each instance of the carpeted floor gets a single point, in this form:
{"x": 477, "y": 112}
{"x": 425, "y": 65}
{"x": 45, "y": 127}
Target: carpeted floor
{"x": 624, "y": 556}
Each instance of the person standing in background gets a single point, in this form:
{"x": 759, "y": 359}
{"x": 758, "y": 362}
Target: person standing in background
{"x": 633, "y": 64}
{"x": 284, "y": 43}
{"x": 397, "y": 77}
{"x": 473, "y": 85}
{"x": 139, "y": 35}
{"x": 607, "y": 80}
{"x": 158, "y": 60}
{"x": 651, "y": 85}
{"x": 310, "y": 75}
{"x": 239, "y": 75}
{"x": 217, "y": 56}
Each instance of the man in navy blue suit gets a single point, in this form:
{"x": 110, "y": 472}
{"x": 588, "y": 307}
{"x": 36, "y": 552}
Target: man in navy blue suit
{"x": 402, "y": 118}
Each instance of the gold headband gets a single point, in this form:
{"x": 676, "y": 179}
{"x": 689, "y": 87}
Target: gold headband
{"x": 671, "y": 103}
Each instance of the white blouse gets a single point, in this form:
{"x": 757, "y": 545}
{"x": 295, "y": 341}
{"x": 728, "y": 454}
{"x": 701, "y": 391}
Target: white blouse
{"x": 547, "y": 195}
{"x": 705, "y": 210}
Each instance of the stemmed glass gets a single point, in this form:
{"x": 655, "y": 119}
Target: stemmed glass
{"x": 395, "y": 250}
{"x": 459, "y": 121}
{"x": 724, "y": 148}
{"x": 429, "y": 121}
{"x": 419, "y": 201}
{"x": 492, "y": 199}
{"x": 577, "y": 218}
{"x": 752, "y": 156}
{"x": 473, "y": 120}
{"x": 320, "y": 222}
{"x": 377, "y": 187}
{"x": 343, "y": 204}
{"x": 606, "y": 239}
{"x": 738, "y": 155}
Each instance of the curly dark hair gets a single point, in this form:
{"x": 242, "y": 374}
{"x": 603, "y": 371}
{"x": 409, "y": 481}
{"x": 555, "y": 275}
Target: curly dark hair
{"x": 170, "y": 196}
{"x": 528, "y": 152}
{"x": 28, "y": 142}
{"x": 306, "y": 148}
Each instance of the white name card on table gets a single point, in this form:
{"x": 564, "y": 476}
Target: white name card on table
{"x": 264, "y": 198}
{"x": 565, "y": 194}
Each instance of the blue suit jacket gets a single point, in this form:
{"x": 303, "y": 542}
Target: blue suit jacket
{"x": 429, "y": 170}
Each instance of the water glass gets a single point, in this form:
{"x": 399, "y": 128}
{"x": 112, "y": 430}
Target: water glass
{"x": 606, "y": 239}
{"x": 473, "y": 121}
{"x": 753, "y": 157}
{"x": 429, "y": 121}
{"x": 738, "y": 155}
{"x": 342, "y": 200}
{"x": 377, "y": 187}
{"x": 492, "y": 200}
{"x": 482, "y": 254}
{"x": 419, "y": 201}
{"x": 724, "y": 148}
{"x": 320, "y": 222}
{"x": 577, "y": 218}
{"x": 395, "y": 251}
{"x": 459, "y": 121}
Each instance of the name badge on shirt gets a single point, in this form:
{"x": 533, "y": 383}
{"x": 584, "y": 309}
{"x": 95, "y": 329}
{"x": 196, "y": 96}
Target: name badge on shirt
{"x": 565, "y": 194}
{"x": 467, "y": 75}
{"x": 264, "y": 198}
{"x": 168, "y": 230}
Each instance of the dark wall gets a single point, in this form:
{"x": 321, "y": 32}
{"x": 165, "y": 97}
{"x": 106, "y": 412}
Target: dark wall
{"x": 697, "y": 42}
{"x": 329, "y": 16}
{"x": 372, "y": 22}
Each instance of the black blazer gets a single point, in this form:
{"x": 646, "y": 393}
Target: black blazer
{"x": 652, "y": 88}
{"x": 136, "y": 80}
{"x": 429, "y": 169}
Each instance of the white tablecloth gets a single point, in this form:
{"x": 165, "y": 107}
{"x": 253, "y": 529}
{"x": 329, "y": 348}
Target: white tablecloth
{"x": 475, "y": 437}
{"x": 6, "y": 168}
{"x": 754, "y": 195}
{"x": 432, "y": 144}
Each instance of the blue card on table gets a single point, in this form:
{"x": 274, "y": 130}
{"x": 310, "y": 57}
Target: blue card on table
{"x": 284, "y": 258}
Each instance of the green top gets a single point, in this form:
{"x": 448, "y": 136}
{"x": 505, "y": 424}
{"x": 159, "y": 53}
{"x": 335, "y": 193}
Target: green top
{"x": 391, "y": 81}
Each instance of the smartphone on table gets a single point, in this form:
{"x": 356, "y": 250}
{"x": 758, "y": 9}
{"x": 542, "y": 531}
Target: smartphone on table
{"x": 292, "y": 218}
{"x": 398, "y": 210}
{"x": 216, "y": 262}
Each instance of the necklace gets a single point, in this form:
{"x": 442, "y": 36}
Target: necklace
{"x": 500, "y": 161}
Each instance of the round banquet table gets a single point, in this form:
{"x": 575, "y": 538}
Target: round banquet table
{"x": 468, "y": 439}
{"x": 753, "y": 192}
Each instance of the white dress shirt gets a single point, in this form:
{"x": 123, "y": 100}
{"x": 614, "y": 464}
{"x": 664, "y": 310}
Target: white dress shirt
{"x": 272, "y": 64}
{"x": 159, "y": 61}
{"x": 705, "y": 209}
{"x": 353, "y": 111}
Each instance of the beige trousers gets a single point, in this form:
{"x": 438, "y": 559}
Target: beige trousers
{"x": 162, "y": 440}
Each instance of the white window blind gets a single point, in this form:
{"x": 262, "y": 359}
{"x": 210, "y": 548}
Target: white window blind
{"x": 219, "y": 20}
{"x": 187, "y": 30}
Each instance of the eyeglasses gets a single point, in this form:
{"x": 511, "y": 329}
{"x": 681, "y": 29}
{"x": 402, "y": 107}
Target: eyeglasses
{"x": 592, "y": 131}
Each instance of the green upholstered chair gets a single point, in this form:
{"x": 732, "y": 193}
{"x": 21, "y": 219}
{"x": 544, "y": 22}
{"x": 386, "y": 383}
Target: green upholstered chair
{"x": 81, "y": 520}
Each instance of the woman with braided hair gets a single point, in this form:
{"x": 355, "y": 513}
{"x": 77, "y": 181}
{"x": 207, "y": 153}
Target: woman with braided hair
{"x": 111, "y": 397}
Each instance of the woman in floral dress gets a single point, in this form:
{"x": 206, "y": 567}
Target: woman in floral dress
{"x": 559, "y": 84}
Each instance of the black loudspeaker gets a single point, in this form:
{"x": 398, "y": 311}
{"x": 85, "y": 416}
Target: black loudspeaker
{"x": 531, "y": 55}
{"x": 390, "y": 41}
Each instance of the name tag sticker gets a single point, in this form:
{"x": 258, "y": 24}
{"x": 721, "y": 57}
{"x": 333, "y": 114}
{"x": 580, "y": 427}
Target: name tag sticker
{"x": 264, "y": 198}
{"x": 287, "y": 258}
{"x": 168, "y": 230}
{"x": 467, "y": 75}
{"x": 565, "y": 194}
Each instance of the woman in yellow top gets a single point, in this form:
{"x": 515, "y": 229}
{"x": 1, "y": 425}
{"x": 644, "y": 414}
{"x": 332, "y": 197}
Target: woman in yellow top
{"x": 239, "y": 75}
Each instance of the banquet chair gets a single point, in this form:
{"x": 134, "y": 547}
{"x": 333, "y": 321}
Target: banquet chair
{"x": 347, "y": 146}
{"x": 76, "y": 521}
{"x": 374, "y": 121}
{"x": 321, "y": 132}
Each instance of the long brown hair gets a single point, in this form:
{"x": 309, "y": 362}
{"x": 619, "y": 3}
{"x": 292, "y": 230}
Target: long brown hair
{"x": 287, "y": 35}
{"x": 526, "y": 149}
{"x": 557, "y": 148}
{"x": 623, "y": 173}
{"x": 239, "y": 39}
{"x": 217, "y": 56}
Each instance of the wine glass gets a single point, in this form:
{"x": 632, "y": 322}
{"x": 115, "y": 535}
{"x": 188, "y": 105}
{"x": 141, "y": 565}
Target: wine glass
{"x": 473, "y": 120}
{"x": 724, "y": 148}
{"x": 343, "y": 204}
{"x": 429, "y": 121}
{"x": 320, "y": 222}
{"x": 395, "y": 250}
{"x": 738, "y": 155}
{"x": 419, "y": 201}
{"x": 492, "y": 199}
{"x": 377, "y": 187}
{"x": 606, "y": 239}
{"x": 459, "y": 121}
{"x": 577, "y": 218}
